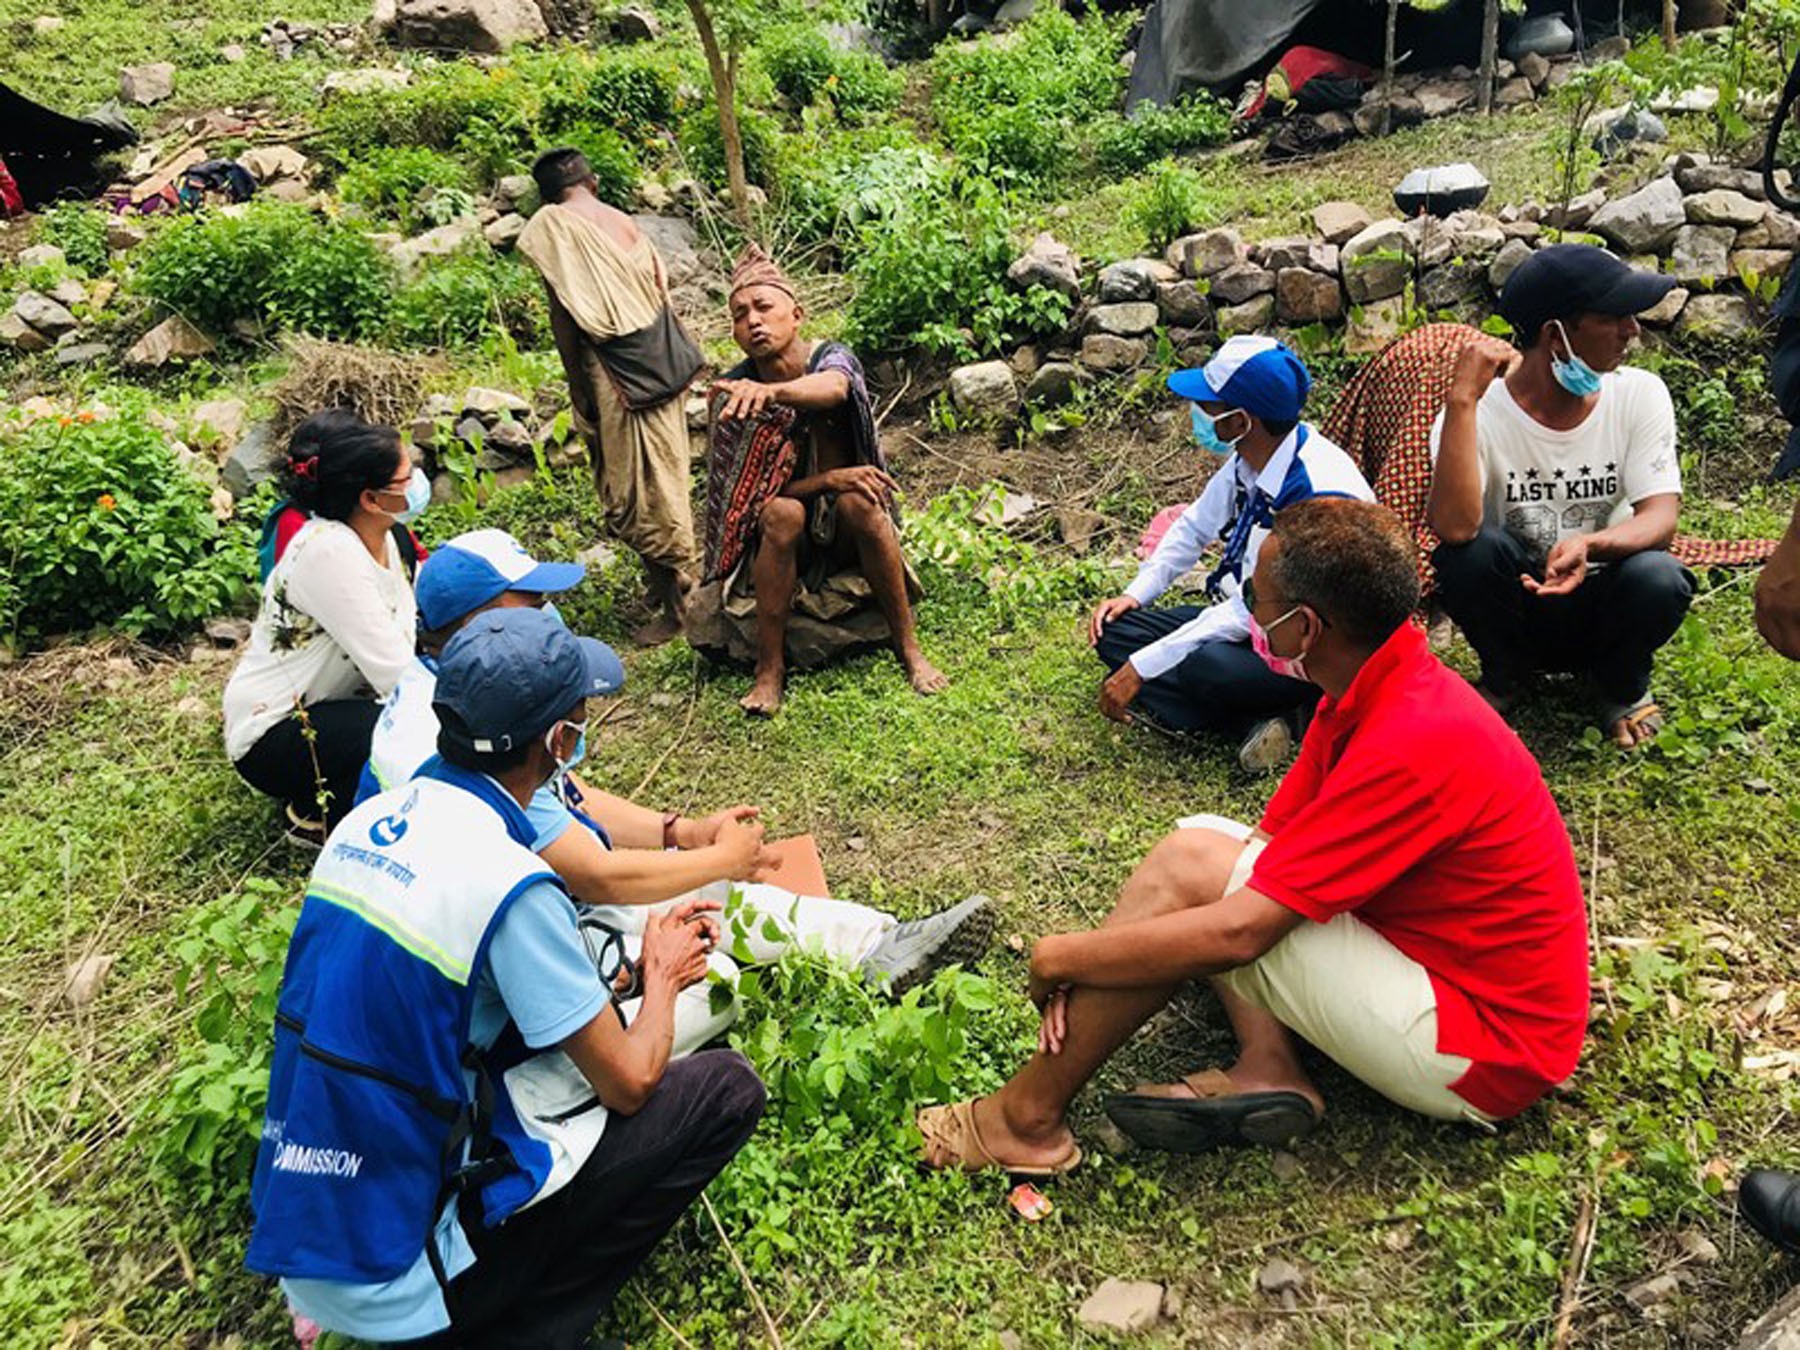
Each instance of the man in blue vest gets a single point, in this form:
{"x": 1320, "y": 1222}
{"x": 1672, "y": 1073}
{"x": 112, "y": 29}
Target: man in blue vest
{"x": 464, "y": 1145}
{"x": 1189, "y": 669}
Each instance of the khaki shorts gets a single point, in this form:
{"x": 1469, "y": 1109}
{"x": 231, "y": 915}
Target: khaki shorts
{"x": 1359, "y": 999}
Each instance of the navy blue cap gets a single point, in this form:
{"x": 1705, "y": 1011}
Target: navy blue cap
{"x": 473, "y": 568}
{"x": 510, "y": 675}
{"x": 1257, "y": 374}
{"x": 1566, "y": 280}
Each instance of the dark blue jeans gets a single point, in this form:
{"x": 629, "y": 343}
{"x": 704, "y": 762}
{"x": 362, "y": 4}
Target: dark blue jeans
{"x": 1784, "y": 382}
{"x": 1220, "y": 687}
{"x": 1609, "y": 627}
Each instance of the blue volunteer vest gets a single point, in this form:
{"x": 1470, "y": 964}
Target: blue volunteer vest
{"x": 371, "y": 1121}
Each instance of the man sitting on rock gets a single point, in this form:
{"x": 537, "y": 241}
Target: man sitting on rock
{"x": 1556, "y": 490}
{"x": 1188, "y": 669}
{"x": 797, "y": 493}
{"x": 1409, "y": 904}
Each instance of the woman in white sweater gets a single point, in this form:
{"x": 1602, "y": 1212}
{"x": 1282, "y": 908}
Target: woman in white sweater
{"x": 337, "y": 622}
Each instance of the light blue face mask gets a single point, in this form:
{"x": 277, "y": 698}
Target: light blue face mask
{"x": 418, "y": 497}
{"x": 1206, "y": 432}
{"x": 564, "y": 767}
{"x": 1574, "y": 375}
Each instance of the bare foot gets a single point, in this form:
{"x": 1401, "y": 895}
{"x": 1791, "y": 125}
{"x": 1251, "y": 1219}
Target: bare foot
{"x": 1014, "y": 1146}
{"x": 924, "y": 677}
{"x": 764, "y": 698}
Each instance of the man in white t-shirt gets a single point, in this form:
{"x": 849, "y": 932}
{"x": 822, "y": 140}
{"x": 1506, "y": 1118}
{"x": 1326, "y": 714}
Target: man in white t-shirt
{"x": 1556, "y": 491}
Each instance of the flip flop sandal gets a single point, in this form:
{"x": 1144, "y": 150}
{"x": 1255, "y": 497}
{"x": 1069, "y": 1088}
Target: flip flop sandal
{"x": 1217, "y": 1114}
{"x": 1643, "y": 715}
{"x": 951, "y": 1140}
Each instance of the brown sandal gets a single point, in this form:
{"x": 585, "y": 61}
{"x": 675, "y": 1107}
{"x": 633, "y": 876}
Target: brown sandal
{"x": 1643, "y": 715}
{"x": 952, "y": 1140}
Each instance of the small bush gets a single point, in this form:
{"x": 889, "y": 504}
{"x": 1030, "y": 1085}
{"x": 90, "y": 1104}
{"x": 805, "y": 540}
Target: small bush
{"x": 100, "y": 524}
{"x": 393, "y": 179}
{"x": 634, "y": 92}
{"x": 834, "y": 183}
{"x": 1013, "y": 107}
{"x": 933, "y": 274}
{"x": 807, "y": 68}
{"x": 466, "y": 297}
{"x": 274, "y": 263}
{"x": 1170, "y": 205}
{"x": 1122, "y": 145}
{"x": 704, "y": 145}
{"x": 80, "y": 232}
{"x": 433, "y": 111}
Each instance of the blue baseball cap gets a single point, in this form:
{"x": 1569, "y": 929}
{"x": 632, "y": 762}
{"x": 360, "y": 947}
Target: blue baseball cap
{"x": 473, "y": 568}
{"x": 1257, "y": 374}
{"x": 509, "y": 675}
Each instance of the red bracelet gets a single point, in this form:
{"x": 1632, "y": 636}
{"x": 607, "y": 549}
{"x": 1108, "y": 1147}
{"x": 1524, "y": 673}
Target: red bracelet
{"x": 669, "y": 821}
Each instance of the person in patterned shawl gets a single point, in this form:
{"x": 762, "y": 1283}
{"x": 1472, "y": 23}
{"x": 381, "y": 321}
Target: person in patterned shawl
{"x": 797, "y": 487}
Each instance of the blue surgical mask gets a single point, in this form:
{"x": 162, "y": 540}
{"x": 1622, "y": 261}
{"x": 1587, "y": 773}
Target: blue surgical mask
{"x": 418, "y": 496}
{"x": 1206, "y": 432}
{"x": 564, "y": 767}
{"x": 549, "y": 607}
{"x": 1574, "y": 375}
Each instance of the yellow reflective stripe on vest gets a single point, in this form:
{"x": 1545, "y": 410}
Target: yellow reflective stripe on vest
{"x": 417, "y": 944}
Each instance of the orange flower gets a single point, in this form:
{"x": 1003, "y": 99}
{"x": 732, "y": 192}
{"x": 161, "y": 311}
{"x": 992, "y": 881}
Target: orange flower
{"x": 105, "y": 501}
{"x": 84, "y": 417}
{"x": 63, "y": 419}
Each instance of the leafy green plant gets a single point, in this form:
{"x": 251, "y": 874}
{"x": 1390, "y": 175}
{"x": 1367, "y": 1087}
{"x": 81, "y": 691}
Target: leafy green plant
{"x": 1586, "y": 91}
{"x": 272, "y": 262}
{"x": 806, "y": 68}
{"x": 459, "y": 301}
{"x": 934, "y": 274}
{"x": 956, "y": 537}
{"x": 1122, "y": 145}
{"x": 1011, "y": 107}
{"x": 207, "y": 1123}
{"x": 101, "y": 524}
{"x": 1172, "y": 203}
{"x": 79, "y": 231}
{"x": 395, "y": 180}
{"x": 612, "y": 159}
{"x": 703, "y": 146}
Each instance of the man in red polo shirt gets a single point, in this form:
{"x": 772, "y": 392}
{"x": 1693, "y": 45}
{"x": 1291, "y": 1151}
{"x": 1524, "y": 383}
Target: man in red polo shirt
{"x": 1409, "y": 904}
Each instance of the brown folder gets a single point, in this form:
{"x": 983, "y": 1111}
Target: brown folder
{"x": 802, "y": 871}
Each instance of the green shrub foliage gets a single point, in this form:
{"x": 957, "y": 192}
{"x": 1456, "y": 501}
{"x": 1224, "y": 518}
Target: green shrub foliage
{"x": 80, "y": 232}
{"x": 1123, "y": 145}
{"x": 100, "y": 524}
{"x": 391, "y": 180}
{"x": 807, "y": 68}
{"x": 272, "y": 263}
{"x": 469, "y": 296}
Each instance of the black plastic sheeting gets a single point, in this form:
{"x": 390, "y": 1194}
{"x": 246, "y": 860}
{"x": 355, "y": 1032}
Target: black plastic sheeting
{"x": 52, "y": 155}
{"x": 1190, "y": 45}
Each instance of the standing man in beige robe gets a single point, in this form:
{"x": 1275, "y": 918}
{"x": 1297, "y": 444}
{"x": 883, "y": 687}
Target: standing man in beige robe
{"x": 628, "y": 362}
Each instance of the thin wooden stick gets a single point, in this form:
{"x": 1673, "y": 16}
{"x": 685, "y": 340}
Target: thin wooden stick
{"x": 669, "y": 749}
{"x": 662, "y": 1321}
{"x": 744, "y": 1275}
{"x": 1581, "y": 1247}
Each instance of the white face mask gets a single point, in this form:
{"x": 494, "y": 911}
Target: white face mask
{"x": 1293, "y": 667}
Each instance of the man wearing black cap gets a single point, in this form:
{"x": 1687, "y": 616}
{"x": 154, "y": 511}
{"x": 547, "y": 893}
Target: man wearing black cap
{"x": 463, "y": 1143}
{"x": 1557, "y": 488}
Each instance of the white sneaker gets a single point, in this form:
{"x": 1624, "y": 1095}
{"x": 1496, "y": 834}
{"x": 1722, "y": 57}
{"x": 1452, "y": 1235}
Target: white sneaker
{"x": 1269, "y": 745}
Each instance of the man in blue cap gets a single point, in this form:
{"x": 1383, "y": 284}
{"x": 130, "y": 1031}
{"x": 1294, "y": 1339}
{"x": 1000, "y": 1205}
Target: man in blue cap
{"x": 463, "y": 1143}
{"x": 1556, "y": 489}
{"x": 1191, "y": 669}
{"x": 618, "y": 856}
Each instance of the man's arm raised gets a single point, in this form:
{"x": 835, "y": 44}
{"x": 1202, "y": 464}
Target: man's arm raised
{"x": 1454, "y": 508}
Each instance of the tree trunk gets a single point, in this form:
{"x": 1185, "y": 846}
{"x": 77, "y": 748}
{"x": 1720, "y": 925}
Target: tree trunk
{"x": 1389, "y": 58}
{"x": 937, "y": 16}
{"x": 1490, "y": 53}
{"x": 724, "y": 79}
{"x": 1668, "y": 25}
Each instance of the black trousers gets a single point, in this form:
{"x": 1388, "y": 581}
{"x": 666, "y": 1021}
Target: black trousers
{"x": 281, "y": 763}
{"x": 1784, "y": 382}
{"x": 1221, "y": 687}
{"x": 542, "y": 1279}
{"x": 1609, "y": 627}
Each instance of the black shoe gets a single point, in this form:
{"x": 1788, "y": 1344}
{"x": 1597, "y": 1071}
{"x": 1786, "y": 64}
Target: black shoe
{"x": 1770, "y": 1203}
{"x": 911, "y": 953}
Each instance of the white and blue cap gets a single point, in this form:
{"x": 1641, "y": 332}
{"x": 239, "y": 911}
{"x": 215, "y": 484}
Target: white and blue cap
{"x": 473, "y": 568}
{"x": 509, "y": 675}
{"x": 1258, "y": 374}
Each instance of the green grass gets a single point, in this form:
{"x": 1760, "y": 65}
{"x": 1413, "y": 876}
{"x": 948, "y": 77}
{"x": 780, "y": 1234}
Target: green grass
{"x": 122, "y": 827}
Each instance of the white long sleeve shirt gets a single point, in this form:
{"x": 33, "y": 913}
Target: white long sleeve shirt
{"x": 1304, "y": 465}
{"x": 334, "y": 623}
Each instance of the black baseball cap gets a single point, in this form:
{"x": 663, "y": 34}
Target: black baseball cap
{"x": 510, "y": 675}
{"x": 1564, "y": 280}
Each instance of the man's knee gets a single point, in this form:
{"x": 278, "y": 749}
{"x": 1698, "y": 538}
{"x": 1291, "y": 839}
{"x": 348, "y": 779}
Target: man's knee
{"x": 1186, "y": 869}
{"x": 781, "y": 521}
{"x": 735, "y": 1094}
{"x": 1474, "y": 562}
{"x": 1655, "y": 583}
{"x": 861, "y": 516}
